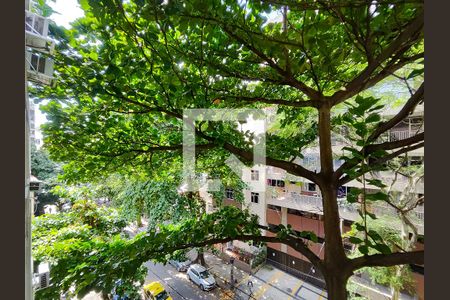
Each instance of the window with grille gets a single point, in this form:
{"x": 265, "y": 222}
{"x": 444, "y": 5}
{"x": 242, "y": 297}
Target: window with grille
{"x": 229, "y": 193}
{"x": 39, "y": 24}
{"x": 254, "y": 198}
{"x": 311, "y": 187}
{"x": 37, "y": 63}
{"x": 255, "y": 175}
{"x": 275, "y": 182}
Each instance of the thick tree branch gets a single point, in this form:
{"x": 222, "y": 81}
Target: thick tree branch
{"x": 388, "y": 260}
{"x": 295, "y": 243}
{"x": 288, "y": 78}
{"x": 367, "y": 150}
{"x": 394, "y": 145}
{"x": 308, "y": 103}
{"x": 382, "y": 160}
{"x": 152, "y": 150}
{"x": 409, "y": 35}
{"x": 290, "y": 167}
{"x": 298, "y": 244}
{"x": 402, "y": 114}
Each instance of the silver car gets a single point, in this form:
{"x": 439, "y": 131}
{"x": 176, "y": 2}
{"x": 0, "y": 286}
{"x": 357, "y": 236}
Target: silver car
{"x": 181, "y": 266}
{"x": 201, "y": 277}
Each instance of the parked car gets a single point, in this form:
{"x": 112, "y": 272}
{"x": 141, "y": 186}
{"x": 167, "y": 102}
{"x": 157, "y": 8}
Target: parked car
{"x": 181, "y": 266}
{"x": 155, "y": 291}
{"x": 201, "y": 277}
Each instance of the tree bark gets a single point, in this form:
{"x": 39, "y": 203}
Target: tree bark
{"x": 139, "y": 221}
{"x": 336, "y": 285}
{"x": 335, "y": 262}
{"x": 200, "y": 259}
{"x": 334, "y": 250}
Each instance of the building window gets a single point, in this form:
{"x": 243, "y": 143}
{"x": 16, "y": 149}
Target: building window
{"x": 275, "y": 182}
{"x": 38, "y": 63}
{"x": 255, "y": 198}
{"x": 274, "y": 207}
{"x": 303, "y": 214}
{"x": 255, "y": 175}
{"x": 229, "y": 194}
{"x": 342, "y": 192}
{"x": 415, "y": 160}
{"x": 311, "y": 187}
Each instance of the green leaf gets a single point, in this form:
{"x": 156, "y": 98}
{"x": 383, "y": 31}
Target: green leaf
{"x": 93, "y": 55}
{"x": 85, "y": 5}
{"x": 355, "y": 240}
{"x": 415, "y": 73}
{"x": 373, "y": 118}
{"x": 373, "y": 216}
{"x": 377, "y": 196}
{"x": 384, "y": 249}
{"x": 363, "y": 249}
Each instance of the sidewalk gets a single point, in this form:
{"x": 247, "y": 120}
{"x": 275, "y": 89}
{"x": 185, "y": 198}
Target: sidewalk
{"x": 266, "y": 283}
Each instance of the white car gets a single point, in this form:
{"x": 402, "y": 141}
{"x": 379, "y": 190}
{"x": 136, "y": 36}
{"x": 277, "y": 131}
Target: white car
{"x": 201, "y": 277}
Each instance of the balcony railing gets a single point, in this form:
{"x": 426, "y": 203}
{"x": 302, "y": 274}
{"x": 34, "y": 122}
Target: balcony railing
{"x": 36, "y": 28}
{"x": 347, "y": 210}
{"x": 397, "y": 135}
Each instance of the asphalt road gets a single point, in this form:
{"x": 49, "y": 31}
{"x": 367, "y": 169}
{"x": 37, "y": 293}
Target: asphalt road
{"x": 177, "y": 284}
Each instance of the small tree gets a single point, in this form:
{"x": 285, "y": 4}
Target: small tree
{"x": 75, "y": 244}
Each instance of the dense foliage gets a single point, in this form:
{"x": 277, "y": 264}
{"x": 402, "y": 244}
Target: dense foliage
{"x": 76, "y": 244}
{"x": 127, "y": 70}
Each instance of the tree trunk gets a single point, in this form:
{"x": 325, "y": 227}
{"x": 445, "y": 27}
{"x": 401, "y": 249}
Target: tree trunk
{"x": 336, "y": 286}
{"x": 200, "y": 257}
{"x": 139, "y": 221}
{"x": 334, "y": 249}
{"x": 335, "y": 260}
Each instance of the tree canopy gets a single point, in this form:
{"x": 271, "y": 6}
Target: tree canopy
{"x": 127, "y": 70}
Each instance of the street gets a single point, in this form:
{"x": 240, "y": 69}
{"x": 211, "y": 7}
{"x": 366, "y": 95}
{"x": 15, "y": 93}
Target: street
{"x": 177, "y": 283}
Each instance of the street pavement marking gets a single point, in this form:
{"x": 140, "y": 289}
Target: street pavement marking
{"x": 261, "y": 291}
{"x": 243, "y": 279}
{"x": 295, "y": 290}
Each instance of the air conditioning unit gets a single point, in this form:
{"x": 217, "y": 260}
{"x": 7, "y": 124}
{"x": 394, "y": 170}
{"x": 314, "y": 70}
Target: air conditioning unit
{"x": 41, "y": 280}
{"x": 36, "y": 28}
{"x": 39, "y": 68}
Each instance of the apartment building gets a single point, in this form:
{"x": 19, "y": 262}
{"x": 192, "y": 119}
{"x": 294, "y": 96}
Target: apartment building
{"x": 293, "y": 200}
{"x": 38, "y": 70}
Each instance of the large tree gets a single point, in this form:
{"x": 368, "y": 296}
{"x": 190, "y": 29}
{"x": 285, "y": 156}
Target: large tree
{"x": 127, "y": 70}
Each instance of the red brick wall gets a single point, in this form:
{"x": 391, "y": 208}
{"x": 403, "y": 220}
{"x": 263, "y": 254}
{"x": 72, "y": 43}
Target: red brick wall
{"x": 276, "y": 246}
{"x": 301, "y": 224}
{"x": 273, "y": 216}
{"x": 230, "y": 202}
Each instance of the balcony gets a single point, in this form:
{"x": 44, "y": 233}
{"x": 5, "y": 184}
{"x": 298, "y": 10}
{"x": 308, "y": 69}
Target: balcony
{"x": 36, "y": 29}
{"x": 39, "y": 69}
{"x": 348, "y": 211}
